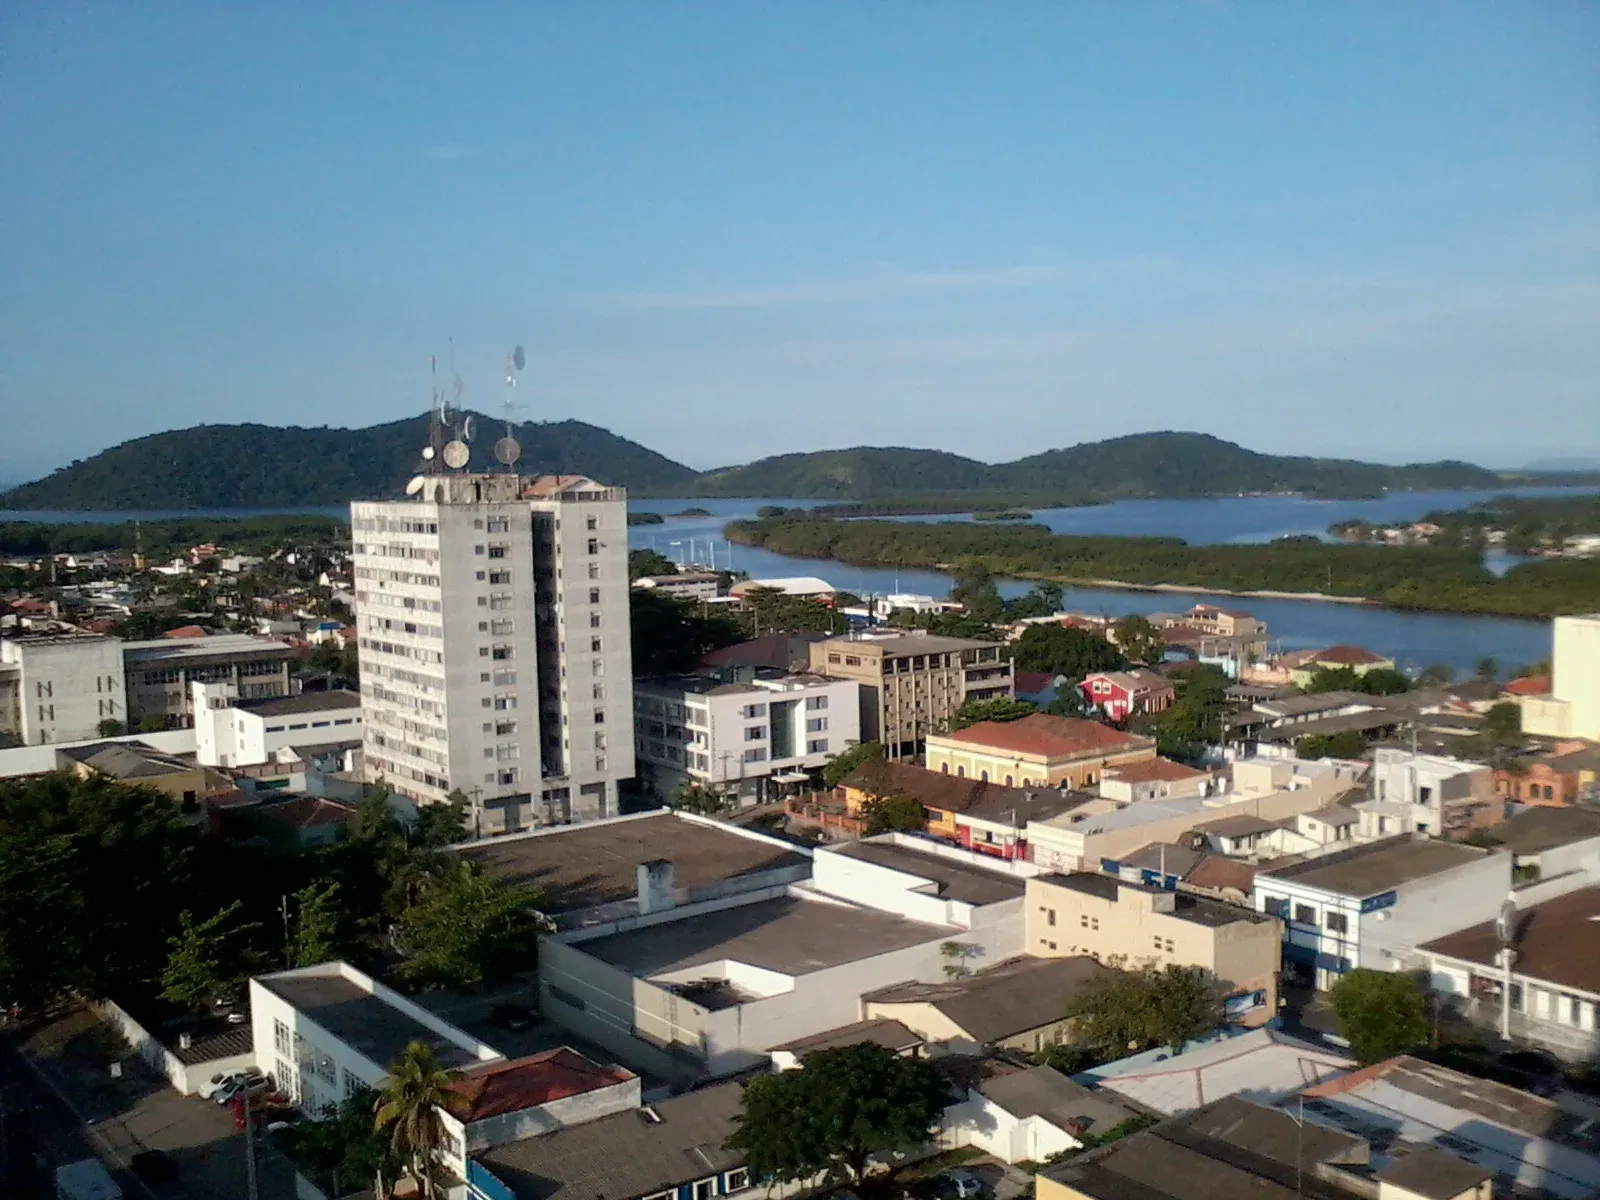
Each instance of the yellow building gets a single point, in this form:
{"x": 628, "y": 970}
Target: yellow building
{"x": 138, "y": 763}
{"x": 1572, "y": 709}
{"x": 1106, "y": 918}
{"x": 1337, "y": 658}
{"x": 1040, "y": 750}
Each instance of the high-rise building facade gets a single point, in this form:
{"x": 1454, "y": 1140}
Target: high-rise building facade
{"x": 493, "y": 620}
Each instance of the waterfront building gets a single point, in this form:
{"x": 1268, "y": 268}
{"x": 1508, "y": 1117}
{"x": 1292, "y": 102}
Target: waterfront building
{"x": 493, "y": 639}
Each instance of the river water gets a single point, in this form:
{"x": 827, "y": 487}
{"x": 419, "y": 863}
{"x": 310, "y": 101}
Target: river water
{"x": 1414, "y": 640}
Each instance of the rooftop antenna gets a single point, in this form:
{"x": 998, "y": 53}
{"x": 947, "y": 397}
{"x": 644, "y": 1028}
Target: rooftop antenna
{"x": 507, "y": 450}
{"x": 455, "y": 452}
{"x": 1505, "y": 928}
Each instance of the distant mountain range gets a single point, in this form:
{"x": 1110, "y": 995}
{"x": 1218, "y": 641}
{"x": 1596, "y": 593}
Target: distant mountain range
{"x": 262, "y": 466}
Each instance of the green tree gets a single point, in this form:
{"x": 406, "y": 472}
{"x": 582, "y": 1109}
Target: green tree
{"x": 973, "y": 588}
{"x": 1499, "y": 738}
{"x": 1065, "y": 650}
{"x": 703, "y": 801}
{"x": 839, "y": 768}
{"x": 1140, "y": 640}
{"x": 111, "y": 727}
{"x": 1487, "y": 670}
{"x": 208, "y": 958}
{"x": 1148, "y": 1005}
{"x": 1195, "y": 719}
{"x": 375, "y": 818}
{"x": 347, "y": 1146}
{"x": 841, "y": 1107}
{"x": 152, "y": 723}
{"x": 1383, "y": 681}
{"x": 467, "y": 927}
{"x": 647, "y": 563}
{"x": 1332, "y": 679}
{"x": 440, "y": 825}
{"x": 416, "y": 1088}
{"x": 1350, "y": 743}
{"x": 892, "y": 814}
{"x": 1001, "y": 708}
{"x": 321, "y": 931}
{"x": 1435, "y": 676}
{"x": 670, "y": 636}
{"x": 1380, "y": 1013}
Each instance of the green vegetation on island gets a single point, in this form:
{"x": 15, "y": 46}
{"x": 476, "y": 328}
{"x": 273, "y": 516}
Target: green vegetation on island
{"x": 245, "y": 535}
{"x": 1518, "y": 525}
{"x": 1401, "y": 577}
{"x": 1003, "y": 514}
{"x": 646, "y": 518}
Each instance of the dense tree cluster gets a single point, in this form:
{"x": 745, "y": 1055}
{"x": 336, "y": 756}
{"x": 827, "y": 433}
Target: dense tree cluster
{"x": 1149, "y": 1005}
{"x": 1530, "y": 525}
{"x": 1405, "y": 577}
{"x": 247, "y": 535}
{"x": 1380, "y": 1013}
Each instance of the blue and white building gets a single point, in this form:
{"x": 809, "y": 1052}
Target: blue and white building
{"x": 1373, "y": 905}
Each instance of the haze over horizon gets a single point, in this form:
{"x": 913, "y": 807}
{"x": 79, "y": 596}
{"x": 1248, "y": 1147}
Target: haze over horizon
{"x": 727, "y": 232}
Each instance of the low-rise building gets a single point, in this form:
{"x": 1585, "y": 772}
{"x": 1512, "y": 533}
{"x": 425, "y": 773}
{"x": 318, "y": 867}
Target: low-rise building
{"x": 891, "y": 1035}
{"x": 1447, "y": 797}
{"x": 691, "y": 585}
{"x": 140, "y": 764}
{"x": 1567, "y": 773}
{"x": 1107, "y": 918}
{"x": 1137, "y": 691}
{"x": 740, "y": 733}
{"x": 1153, "y": 779}
{"x": 1553, "y": 975}
{"x": 913, "y": 682}
{"x": 1015, "y": 1005}
{"x": 1550, "y": 842}
{"x": 807, "y": 587}
{"x": 230, "y": 732}
{"x": 160, "y": 672}
{"x": 1338, "y": 658}
{"x": 1373, "y": 905}
{"x": 1029, "y": 1114}
{"x": 1040, "y": 750}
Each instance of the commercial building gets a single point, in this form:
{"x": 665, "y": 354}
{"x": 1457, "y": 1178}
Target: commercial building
{"x": 230, "y": 732}
{"x": 1572, "y": 709}
{"x": 1373, "y": 905}
{"x": 1569, "y": 773}
{"x": 913, "y": 682}
{"x": 1108, "y": 919}
{"x": 1446, "y": 797}
{"x": 1040, "y": 750}
{"x": 1548, "y": 992}
{"x": 60, "y": 688}
{"x": 741, "y": 732}
{"x": 161, "y": 672}
{"x": 494, "y": 645}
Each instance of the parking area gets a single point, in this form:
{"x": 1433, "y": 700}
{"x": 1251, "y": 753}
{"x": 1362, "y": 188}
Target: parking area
{"x": 133, "y": 1111}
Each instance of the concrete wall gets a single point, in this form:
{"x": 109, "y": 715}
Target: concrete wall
{"x": 186, "y": 1079}
{"x": 979, "y": 1121}
{"x": 66, "y": 686}
{"x": 1432, "y": 907}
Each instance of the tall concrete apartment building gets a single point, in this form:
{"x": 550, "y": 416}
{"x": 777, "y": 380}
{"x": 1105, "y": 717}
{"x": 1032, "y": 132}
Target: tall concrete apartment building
{"x": 912, "y": 682}
{"x": 493, "y": 619}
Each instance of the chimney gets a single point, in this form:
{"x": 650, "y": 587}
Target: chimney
{"x": 185, "y": 1040}
{"x": 657, "y": 886}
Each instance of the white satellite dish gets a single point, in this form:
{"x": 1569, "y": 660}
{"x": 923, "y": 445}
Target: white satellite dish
{"x": 427, "y": 453}
{"x": 455, "y": 455}
{"x": 507, "y": 450}
{"x": 467, "y": 428}
{"x": 418, "y": 482}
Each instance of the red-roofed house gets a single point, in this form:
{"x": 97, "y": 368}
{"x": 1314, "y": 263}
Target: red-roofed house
{"x": 1038, "y": 750}
{"x": 525, "y": 1097}
{"x": 185, "y": 631}
{"x": 1528, "y": 685}
{"x": 1153, "y": 779}
{"x": 1332, "y": 658}
{"x": 1121, "y": 694}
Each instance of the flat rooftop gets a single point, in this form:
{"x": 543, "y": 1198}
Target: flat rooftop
{"x": 305, "y": 702}
{"x": 956, "y": 880}
{"x": 163, "y": 649}
{"x": 581, "y": 866}
{"x": 1535, "y": 830}
{"x": 1213, "y": 914}
{"x": 362, "y": 1021}
{"x": 768, "y": 682}
{"x": 911, "y": 642}
{"x": 1378, "y": 866}
{"x": 788, "y": 934}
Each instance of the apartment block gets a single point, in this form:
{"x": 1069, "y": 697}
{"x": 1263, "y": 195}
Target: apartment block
{"x": 59, "y": 689}
{"x": 913, "y": 682}
{"x": 741, "y": 732}
{"x": 492, "y": 614}
{"x": 1107, "y": 918}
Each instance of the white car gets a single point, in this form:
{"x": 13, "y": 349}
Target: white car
{"x": 210, "y": 1088}
{"x": 244, "y": 1081}
{"x": 962, "y": 1184}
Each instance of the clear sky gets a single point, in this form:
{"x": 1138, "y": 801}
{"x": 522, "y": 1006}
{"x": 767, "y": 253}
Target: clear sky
{"x": 734, "y": 229}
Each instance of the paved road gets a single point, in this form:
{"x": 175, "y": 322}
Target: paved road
{"x": 38, "y": 1132}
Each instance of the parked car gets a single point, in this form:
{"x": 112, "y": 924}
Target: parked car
{"x": 209, "y": 1089}
{"x": 239, "y": 1083}
{"x": 961, "y": 1184}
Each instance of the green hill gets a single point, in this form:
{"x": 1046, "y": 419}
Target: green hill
{"x": 861, "y": 473}
{"x": 260, "y": 466}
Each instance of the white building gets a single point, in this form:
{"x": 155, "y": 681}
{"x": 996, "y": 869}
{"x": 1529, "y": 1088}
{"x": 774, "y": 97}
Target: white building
{"x": 804, "y": 586}
{"x": 1444, "y": 795}
{"x": 1572, "y": 709}
{"x": 1373, "y": 905}
{"x": 494, "y": 648}
{"x": 59, "y": 688}
{"x": 230, "y": 732}
{"x": 691, "y": 585}
{"x": 741, "y": 732}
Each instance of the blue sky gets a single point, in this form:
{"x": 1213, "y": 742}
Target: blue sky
{"x": 728, "y": 230}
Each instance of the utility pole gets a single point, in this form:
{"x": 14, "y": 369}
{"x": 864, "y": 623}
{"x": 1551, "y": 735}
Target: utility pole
{"x": 250, "y": 1150}
{"x": 283, "y": 907}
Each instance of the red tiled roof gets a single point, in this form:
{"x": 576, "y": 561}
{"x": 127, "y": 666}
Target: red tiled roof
{"x": 1033, "y": 681}
{"x": 310, "y": 812}
{"x": 1156, "y": 770}
{"x": 1217, "y": 871}
{"x": 1528, "y": 685}
{"x": 1350, "y": 656}
{"x": 494, "y": 1089}
{"x": 1049, "y": 736}
{"x": 185, "y": 631}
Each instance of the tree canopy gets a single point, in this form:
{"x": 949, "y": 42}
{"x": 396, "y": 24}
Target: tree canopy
{"x": 1148, "y": 1005}
{"x": 416, "y": 1088}
{"x": 1380, "y": 1013}
{"x": 892, "y": 814}
{"x": 467, "y": 927}
{"x": 1001, "y": 708}
{"x": 839, "y": 768}
{"x": 841, "y": 1107}
{"x": 1065, "y": 650}
{"x": 1138, "y": 639}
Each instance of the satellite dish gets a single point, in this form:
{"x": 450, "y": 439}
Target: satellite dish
{"x": 507, "y": 450}
{"x": 418, "y": 482}
{"x": 467, "y": 428}
{"x": 518, "y": 358}
{"x": 456, "y": 454}
{"x": 427, "y": 452}
{"x": 1505, "y": 925}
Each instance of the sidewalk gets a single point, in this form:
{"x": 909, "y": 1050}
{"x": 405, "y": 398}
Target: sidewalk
{"x": 138, "y": 1111}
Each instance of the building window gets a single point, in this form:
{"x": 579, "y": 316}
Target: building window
{"x": 736, "y": 1180}
{"x": 594, "y": 570}
{"x": 281, "y": 1041}
{"x": 755, "y": 710}
{"x": 1305, "y": 914}
{"x": 1338, "y": 922}
{"x": 755, "y": 733}
{"x": 1049, "y": 916}
{"x": 705, "y": 1189}
{"x": 594, "y": 595}
{"x": 755, "y": 756}
{"x": 591, "y": 522}
{"x": 816, "y": 703}
{"x": 817, "y": 746}
{"x": 594, "y": 545}
{"x": 594, "y": 646}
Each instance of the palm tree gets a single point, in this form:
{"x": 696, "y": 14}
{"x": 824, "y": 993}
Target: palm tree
{"x": 416, "y": 1089}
